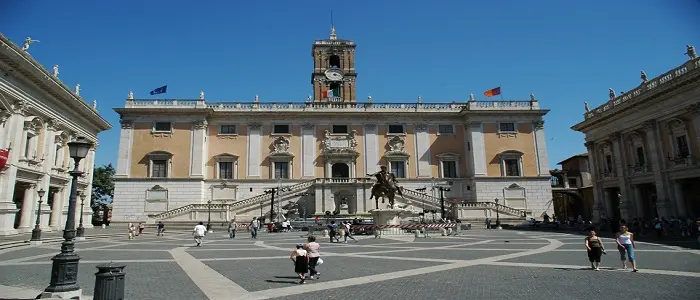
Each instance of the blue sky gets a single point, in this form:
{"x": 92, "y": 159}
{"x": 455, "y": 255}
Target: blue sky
{"x": 566, "y": 52}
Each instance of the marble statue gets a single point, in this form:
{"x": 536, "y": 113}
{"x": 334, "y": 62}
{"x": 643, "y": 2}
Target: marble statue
{"x": 420, "y": 99}
{"x": 369, "y": 98}
{"x": 532, "y": 97}
{"x": 308, "y": 98}
{"x": 644, "y": 77}
{"x": 94, "y": 104}
{"x": 201, "y": 95}
{"x": 585, "y": 106}
{"x": 611, "y": 93}
{"x": 257, "y": 99}
{"x": 28, "y": 41}
{"x": 690, "y": 51}
{"x": 471, "y": 97}
{"x": 77, "y": 89}
{"x": 55, "y": 71}
{"x": 130, "y": 96}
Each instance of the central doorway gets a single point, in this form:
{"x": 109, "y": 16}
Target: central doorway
{"x": 340, "y": 170}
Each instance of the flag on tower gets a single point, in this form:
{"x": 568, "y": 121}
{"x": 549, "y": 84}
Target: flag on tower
{"x": 160, "y": 90}
{"x": 327, "y": 94}
{"x": 493, "y": 92}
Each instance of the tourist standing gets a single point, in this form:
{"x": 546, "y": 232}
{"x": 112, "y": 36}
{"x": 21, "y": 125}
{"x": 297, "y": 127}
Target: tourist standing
{"x": 626, "y": 245}
{"x": 199, "y": 231}
{"x": 254, "y": 228}
{"x": 161, "y": 228}
{"x": 312, "y": 247}
{"x": 595, "y": 249}
{"x": 301, "y": 262}
{"x": 232, "y": 227}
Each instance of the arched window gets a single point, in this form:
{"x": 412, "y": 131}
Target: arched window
{"x": 33, "y": 127}
{"x": 334, "y": 61}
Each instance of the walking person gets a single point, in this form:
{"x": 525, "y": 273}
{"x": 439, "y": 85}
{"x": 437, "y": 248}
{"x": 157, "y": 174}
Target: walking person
{"x": 232, "y": 229}
{"x": 301, "y": 262}
{"x": 132, "y": 231}
{"x": 161, "y": 228}
{"x": 199, "y": 231}
{"x": 141, "y": 228}
{"x": 595, "y": 249}
{"x": 333, "y": 231}
{"x": 254, "y": 228}
{"x": 312, "y": 248}
{"x": 347, "y": 227}
{"x": 626, "y": 245}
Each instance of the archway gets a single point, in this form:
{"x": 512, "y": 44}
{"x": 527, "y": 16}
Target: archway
{"x": 340, "y": 170}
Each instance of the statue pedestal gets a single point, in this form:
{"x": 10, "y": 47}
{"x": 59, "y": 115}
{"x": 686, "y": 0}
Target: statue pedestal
{"x": 389, "y": 216}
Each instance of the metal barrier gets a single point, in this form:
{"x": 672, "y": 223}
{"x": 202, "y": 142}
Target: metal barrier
{"x": 109, "y": 282}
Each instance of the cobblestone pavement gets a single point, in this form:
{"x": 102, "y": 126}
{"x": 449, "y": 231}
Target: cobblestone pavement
{"x": 478, "y": 264}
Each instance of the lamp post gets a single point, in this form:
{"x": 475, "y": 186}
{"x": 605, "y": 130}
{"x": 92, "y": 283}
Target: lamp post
{"x": 272, "y": 191}
{"x": 442, "y": 200}
{"x": 208, "y": 215}
{"x": 261, "y": 211}
{"x": 36, "y": 232}
{"x": 64, "y": 269}
{"x": 421, "y": 215}
{"x": 498, "y": 218}
{"x": 80, "y": 234}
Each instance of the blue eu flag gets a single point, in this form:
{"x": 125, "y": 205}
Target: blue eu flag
{"x": 160, "y": 90}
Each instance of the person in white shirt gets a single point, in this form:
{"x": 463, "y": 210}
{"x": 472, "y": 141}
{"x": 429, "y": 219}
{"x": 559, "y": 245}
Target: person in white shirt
{"x": 198, "y": 233}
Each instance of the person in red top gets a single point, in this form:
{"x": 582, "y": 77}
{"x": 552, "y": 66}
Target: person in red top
{"x": 316, "y": 219}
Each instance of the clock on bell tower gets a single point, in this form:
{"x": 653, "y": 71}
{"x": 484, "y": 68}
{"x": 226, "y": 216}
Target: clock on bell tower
{"x": 334, "y": 74}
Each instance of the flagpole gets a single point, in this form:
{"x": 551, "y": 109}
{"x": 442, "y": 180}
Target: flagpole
{"x": 499, "y": 88}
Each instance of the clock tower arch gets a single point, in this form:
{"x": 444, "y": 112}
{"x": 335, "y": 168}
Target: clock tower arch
{"x": 334, "y": 76}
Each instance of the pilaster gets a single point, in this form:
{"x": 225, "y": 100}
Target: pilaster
{"x": 27, "y": 213}
{"x": 198, "y": 151}
{"x": 254, "y": 150}
{"x": 478, "y": 153}
{"x": 87, "y": 211}
{"x": 371, "y": 151}
{"x": 540, "y": 148}
{"x": 55, "y": 221}
{"x": 695, "y": 110}
{"x": 679, "y": 199}
{"x": 621, "y": 169}
{"x": 598, "y": 195}
{"x": 422, "y": 153}
{"x": 49, "y": 145}
{"x": 657, "y": 164}
{"x": 126, "y": 138}
{"x": 308, "y": 151}
{"x": 14, "y": 130}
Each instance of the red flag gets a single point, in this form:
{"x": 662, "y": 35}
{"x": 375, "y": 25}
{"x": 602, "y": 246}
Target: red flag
{"x": 4, "y": 154}
{"x": 493, "y": 92}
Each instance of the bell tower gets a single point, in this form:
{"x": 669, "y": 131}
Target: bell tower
{"x": 334, "y": 74}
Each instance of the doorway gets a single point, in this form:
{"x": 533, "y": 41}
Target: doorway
{"x": 340, "y": 170}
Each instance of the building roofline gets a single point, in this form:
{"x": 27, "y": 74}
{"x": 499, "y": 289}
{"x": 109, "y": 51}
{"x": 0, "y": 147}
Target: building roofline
{"x": 572, "y": 157}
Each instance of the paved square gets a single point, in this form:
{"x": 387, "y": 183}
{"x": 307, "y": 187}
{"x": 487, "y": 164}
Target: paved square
{"x": 479, "y": 264}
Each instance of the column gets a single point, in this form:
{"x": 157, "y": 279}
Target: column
{"x": 126, "y": 138}
{"x": 540, "y": 148}
{"x": 640, "y": 198}
{"x": 695, "y": 110}
{"x": 371, "y": 151}
{"x": 90, "y": 169}
{"x": 318, "y": 197}
{"x": 12, "y": 141}
{"x": 478, "y": 153}
{"x": 199, "y": 135}
{"x": 26, "y": 217}
{"x": 56, "y": 209}
{"x": 254, "y": 150}
{"x": 4, "y": 117}
{"x": 656, "y": 157}
{"x": 422, "y": 153}
{"x": 621, "y": 170}
{"x": 49, "y": 145}
{"x": 598, "y": 198}
{"x": 308, "y": 151}
{"x": 679, "y": 199}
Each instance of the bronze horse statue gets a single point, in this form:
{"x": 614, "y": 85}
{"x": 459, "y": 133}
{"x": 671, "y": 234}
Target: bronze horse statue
{"x": 384, "y": 190}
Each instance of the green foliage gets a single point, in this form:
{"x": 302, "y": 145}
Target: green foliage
{"x": 102, "y": 185}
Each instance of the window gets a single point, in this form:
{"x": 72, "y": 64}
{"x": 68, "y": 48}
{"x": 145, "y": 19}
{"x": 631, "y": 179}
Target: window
{"x": 573, "y": 182}
{"x": 608, "y": 163}
{"x": 280, "y": 129}
{"x": 640, "y": 156}
{"x": 398, "y": 168}
{"x": 512, "y": 167}
{"x": 58, "y": 157}
{"x": 449, "y": 169}
{"x": 396, "y": 129}
{"x": 159, "y": 168}
{"x": 225, "y": 170}
{"x": 28, "y": 151}
{"x": 446, "y": 130}
{"x": 340, "y": 129}
{"x": 281, "y": 170}
{"x": 227, "y": 129}
{"x": 334, "y": 61}
{"x": 506, "y": 127}
{"x": 682, "y": 146}
{"x": 162, "y": 127}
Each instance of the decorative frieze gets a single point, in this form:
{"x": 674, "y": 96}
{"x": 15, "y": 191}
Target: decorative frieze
{"x": 308, "y": 126}
{"x": 421, "y": 127}
{"x": 201, "y": 124}
{"x": 127, "y": 124}
{"x": 370, "y": 126}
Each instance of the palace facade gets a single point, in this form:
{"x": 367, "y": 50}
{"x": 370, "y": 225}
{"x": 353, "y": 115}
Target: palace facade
{"x": 644, "y": 146}
{"x": 38, "y": 116}
{"x": 180, "y": 158}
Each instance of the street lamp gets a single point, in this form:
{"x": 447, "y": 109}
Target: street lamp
{"x": 64, "y": 269}
{"x": 272, "y": 191}
{"x": 421, "y": 215}
{"x": 36, "y": 232}
{"x": 498, "y": 218}
{"x": 209, "y": 215}
{"x": 442, "y": 200}
{"x": 81, "y": 230}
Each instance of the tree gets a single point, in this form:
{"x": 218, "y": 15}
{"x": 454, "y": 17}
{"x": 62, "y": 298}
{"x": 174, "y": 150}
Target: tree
{"x": 102, "y": 185}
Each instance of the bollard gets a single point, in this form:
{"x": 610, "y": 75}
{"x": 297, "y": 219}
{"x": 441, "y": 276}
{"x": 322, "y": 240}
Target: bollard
{"x": 109, "y": 282}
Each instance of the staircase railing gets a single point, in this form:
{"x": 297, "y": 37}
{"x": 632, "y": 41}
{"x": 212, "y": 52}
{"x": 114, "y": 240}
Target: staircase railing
{"x": 286, "y": 190}
{"x": 490, "y": 205}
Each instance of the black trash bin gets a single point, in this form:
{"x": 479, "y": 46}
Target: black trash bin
{"x": 109, "y": 282}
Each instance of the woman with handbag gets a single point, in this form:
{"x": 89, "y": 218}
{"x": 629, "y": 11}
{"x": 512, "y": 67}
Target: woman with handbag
{"x": 312, "y": 247}
{"x": 595, "y": 249}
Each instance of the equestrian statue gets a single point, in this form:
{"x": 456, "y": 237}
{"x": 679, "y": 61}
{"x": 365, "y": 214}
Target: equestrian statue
{"x": 385, "y": 187}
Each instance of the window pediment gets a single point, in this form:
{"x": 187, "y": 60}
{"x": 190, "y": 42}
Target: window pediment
{"x": 448, "y": 156}
{"x": 226, "y": 157}
{"x": 155, "y": 155}
{"x": 675, "y": 125}
{"x": 513, "y": 154}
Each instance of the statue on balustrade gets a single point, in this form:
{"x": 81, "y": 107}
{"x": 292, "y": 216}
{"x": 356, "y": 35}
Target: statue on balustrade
{"x": 386, "y": 186}
{"x": 690, "y": 51}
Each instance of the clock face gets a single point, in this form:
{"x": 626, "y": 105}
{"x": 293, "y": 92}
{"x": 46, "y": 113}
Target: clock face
{"x": 334, "y": 75}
